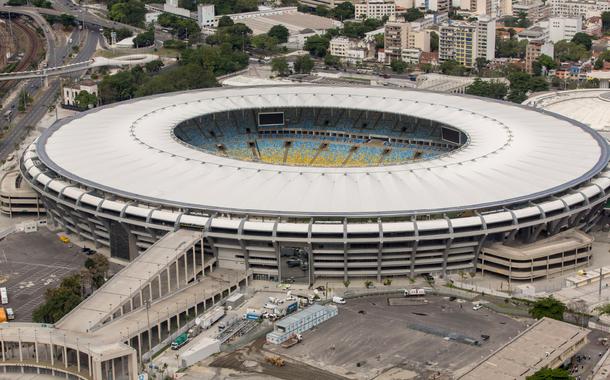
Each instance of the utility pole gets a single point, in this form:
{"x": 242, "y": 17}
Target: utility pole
{"x": 599, "y": 295}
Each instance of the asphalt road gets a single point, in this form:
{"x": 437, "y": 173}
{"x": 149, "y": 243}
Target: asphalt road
{"x": 47, "y": 95}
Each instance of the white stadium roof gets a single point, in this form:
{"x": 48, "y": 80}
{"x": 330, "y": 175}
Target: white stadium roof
{"x": 589, "y": 106}
{"x": 514, "y": 154}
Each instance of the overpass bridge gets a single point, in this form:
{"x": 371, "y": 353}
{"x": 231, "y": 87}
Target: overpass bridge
{"x": 125, "y": 60}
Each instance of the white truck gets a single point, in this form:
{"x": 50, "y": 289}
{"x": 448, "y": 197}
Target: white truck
{"x": 227, "y": 321}
{"x": 338, "y": 300}
{"x": 211, "y": 317}
{"x": 3, "y": 296}
{"x": 414, "y": 292}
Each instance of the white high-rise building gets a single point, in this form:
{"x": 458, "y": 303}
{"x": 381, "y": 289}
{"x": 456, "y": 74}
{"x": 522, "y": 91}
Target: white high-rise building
{"x": 582, "y": 8}
{"x": 562, "y": 28}
{"x": 205, "y": 15}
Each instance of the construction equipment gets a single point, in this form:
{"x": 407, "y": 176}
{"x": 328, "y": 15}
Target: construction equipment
{"x": 64, "y": 239}
{"x": 294, "y": 339}
{"x": 275, "y": 360}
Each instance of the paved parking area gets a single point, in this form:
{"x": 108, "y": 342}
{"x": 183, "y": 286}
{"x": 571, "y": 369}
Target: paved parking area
{"x": 369, "y": 337}
{"x": 31, "y": 263}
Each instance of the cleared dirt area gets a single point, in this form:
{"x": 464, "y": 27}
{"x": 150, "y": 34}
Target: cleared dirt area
{"x": 252, "y": 359}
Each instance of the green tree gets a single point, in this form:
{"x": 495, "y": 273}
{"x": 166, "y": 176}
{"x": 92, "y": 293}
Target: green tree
{"x": 225, "y": 7}
{"x": 180, "y": 27}
{"x": 488, "y": 89}
{"x": 451, "y": 67}
{"x": 551, "y": 374}
{"x": 413, "y": 14}
{"x": 59, "y": 301}
{"x": 317, "y": 45}
{"x": 548, "y": 307}
{"x": 237, "y": 35}
{"x": 344, "y": 11}
{"x": 303, "y": 64}
{"x": 546, "y": 61}
{"x": 85, "y": 100}
{"x": 225, "y": 21}
{"x": 144, "y": 39}
{"x": 130, "y": 12}
{"x": 279, "y": 32}
{"x": 603, "y": 57}
{"x": 511, "y": 48}
{"x": 379, "y": 41}
{"x": 433, "y": 41}
{"x": 398, "y": 66}
{"x": 153, "y": 66}
{"x": 606, "y": 21}
{"x": 264, "y": 42}
{"x": 332, "y": 61}
{"x": 322, "y": 11}
{"x": 25, "y": 100}
{"x": 583, "y": 39}
{"x": 279, "y": 65}
{"x": 570, "y": 51}
{"x": 481, "y": 63}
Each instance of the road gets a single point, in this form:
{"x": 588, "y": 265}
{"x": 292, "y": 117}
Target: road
{"x": 66, "y": 6}
{"x": 47, "y": 95}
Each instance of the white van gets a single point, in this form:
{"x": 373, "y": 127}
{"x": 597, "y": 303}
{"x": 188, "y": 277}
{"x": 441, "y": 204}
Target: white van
{"x": 338, "y": 300}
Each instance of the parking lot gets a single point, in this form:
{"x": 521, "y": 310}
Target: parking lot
{"x": 31, "y": 263}
{"x": 369, "y": 337}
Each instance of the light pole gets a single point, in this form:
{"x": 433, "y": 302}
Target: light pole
{"x": 147, "y": 304}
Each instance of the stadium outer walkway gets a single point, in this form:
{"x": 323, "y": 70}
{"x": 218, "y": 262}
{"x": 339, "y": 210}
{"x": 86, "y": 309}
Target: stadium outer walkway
{"x": 135, "y": 312}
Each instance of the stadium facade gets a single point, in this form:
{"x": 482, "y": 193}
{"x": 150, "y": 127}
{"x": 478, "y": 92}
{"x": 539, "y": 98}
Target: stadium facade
{"x": 358, "y": 181}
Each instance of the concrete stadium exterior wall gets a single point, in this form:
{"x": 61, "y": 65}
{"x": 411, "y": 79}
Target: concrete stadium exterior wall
{"x": 339, "y": 248}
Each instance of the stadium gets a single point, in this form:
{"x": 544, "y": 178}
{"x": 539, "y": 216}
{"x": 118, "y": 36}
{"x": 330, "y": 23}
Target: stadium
{"x": 306, "y": 182}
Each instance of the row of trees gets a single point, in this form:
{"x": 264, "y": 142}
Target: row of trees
{"x": 343, "y": 11}
{"x": 222, "y": 7}
{"x": 180, "y": 27}
{"x": 197, "y": 67}
{"x": 302, "y": 65}
{"x": 520, "y": 84}
{"x": 72, "y": 290}
{"x": 130, "y": 12}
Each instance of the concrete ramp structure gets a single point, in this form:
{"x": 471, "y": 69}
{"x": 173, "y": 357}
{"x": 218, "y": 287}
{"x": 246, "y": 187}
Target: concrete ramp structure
{"x": 159, "y": 294}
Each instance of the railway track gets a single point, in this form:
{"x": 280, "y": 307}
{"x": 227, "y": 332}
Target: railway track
{"x": 30, "y": 54}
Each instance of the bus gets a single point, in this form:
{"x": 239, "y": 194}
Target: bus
{"x": 3, "y": 296}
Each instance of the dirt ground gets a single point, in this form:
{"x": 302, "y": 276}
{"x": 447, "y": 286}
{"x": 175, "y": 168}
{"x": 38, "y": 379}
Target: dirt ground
{"x": 252, "y": 359}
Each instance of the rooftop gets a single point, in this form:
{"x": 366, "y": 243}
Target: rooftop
{"x": 537, "y": 347}
{"x": 514, "y": 154}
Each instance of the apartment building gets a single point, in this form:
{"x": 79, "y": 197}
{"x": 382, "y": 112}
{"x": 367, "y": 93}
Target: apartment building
{"x": 376, "y": 9}
{"x": 464, "y": 42}
{"x": 439, "y": 6}
{"x": 582, "y": 8}
{"x": 400, "y": 35}
{"x": 534, "y": 49}
{"x": 492, "y": 8}
{"x": 535, "y": 10}
{"x": 348, "y": 49}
